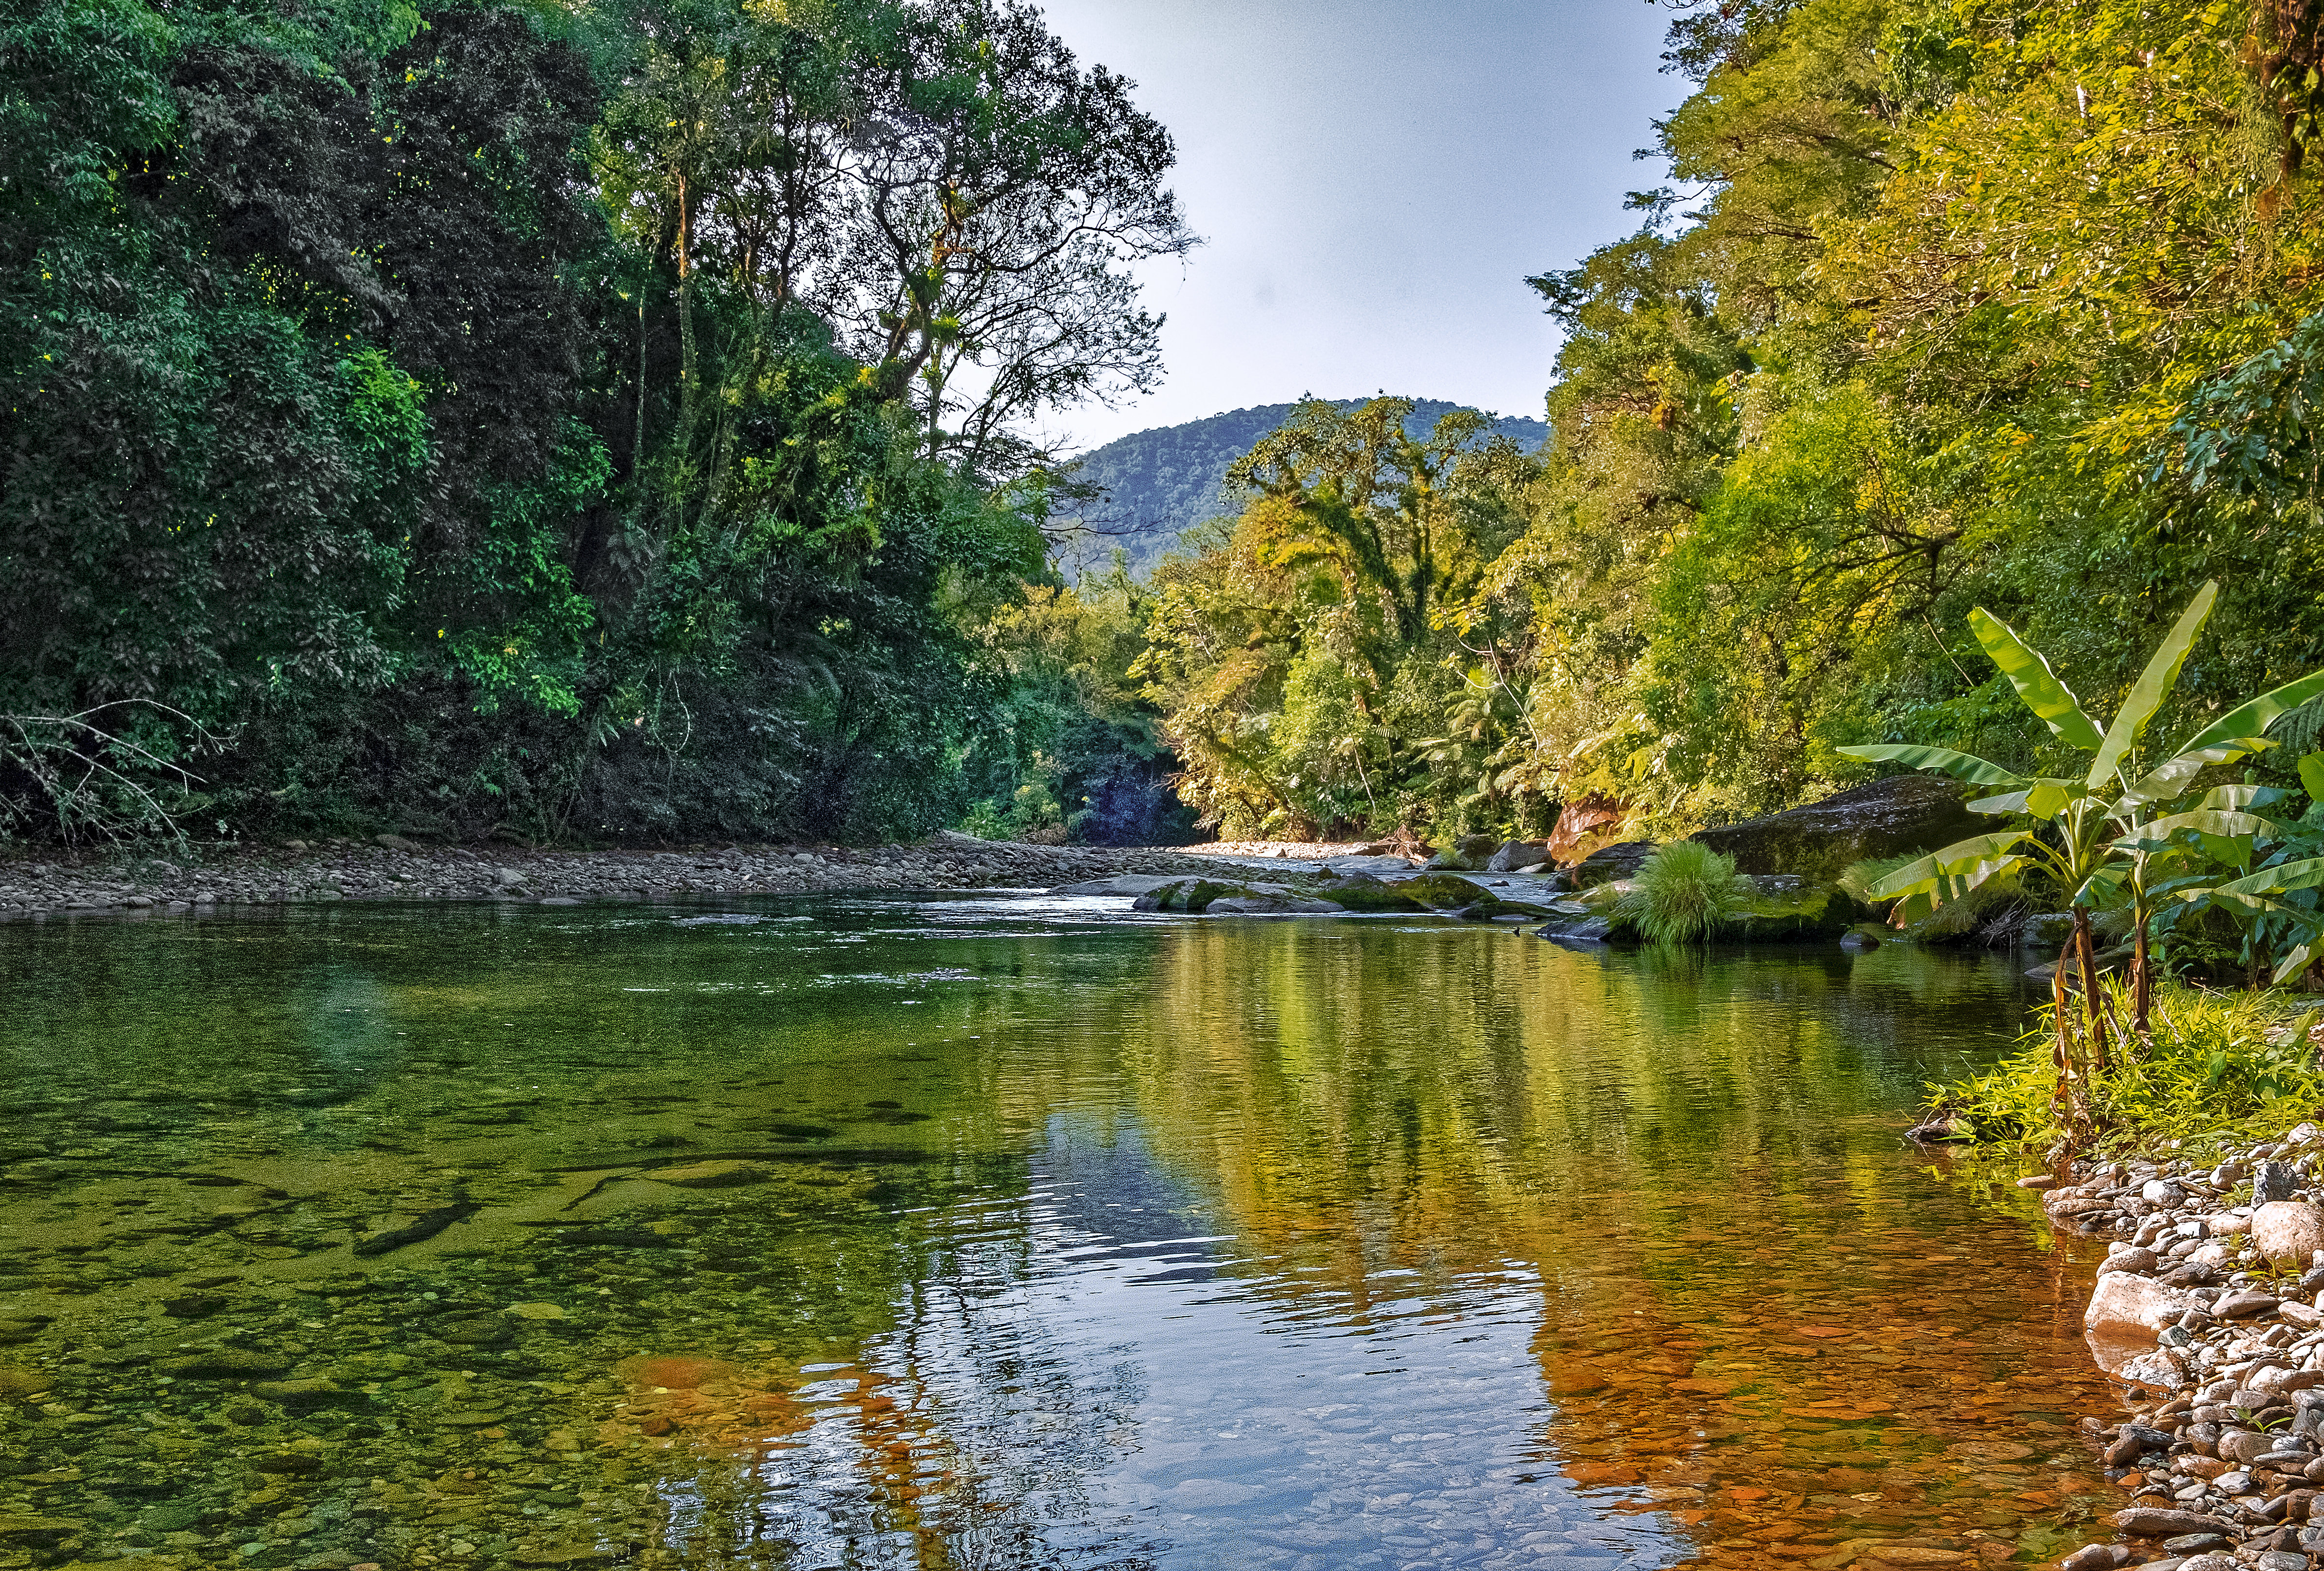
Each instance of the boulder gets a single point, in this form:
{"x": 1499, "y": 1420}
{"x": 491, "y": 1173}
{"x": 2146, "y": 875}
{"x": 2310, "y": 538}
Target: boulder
{"x": 1905, "y": 812}
{"x": 1515, "y": 853}
{"x": 1195, "y": 895}
{"x": 1781, "y": 908}
{"x": 2288, "y": 1231}
{"x": 2123, "y": 1303}
{"x": 1361, "y": 892}
{"x": 1611, "y": 863}
{"x": 1451, "y": 894}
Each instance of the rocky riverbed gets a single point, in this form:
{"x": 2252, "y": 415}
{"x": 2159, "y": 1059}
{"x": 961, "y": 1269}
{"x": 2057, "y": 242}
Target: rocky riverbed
{"x": 389, "y": 868}
{"x": 2208, "y": 1308}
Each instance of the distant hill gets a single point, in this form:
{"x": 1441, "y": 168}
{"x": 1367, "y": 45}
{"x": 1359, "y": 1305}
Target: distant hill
{"x": 1161, "y": 483}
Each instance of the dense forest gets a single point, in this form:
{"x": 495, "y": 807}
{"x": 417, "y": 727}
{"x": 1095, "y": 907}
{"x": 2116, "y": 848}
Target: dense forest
{"x": 1946, "y": 303}
{"x": 613, "y": 423}
{"x": 1140, "y": 494}
{"x": 567, "y": 422}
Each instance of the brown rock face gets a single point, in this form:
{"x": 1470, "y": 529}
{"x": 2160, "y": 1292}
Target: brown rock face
{"x": 1579, "y": 826}
{"x": 1906, "y": 812}
{"x": 2288, "y": 1230}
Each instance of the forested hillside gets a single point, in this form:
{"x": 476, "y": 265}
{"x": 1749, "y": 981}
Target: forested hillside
{"x": 483, "y": 416}
{"x": 612, "y": 422}
{"x": 1946, "y": 304}
{"x": 1152, "y": 486}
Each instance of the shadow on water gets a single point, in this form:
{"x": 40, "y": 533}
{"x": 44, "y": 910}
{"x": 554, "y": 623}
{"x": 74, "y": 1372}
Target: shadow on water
{"x": 993, "y": 1233}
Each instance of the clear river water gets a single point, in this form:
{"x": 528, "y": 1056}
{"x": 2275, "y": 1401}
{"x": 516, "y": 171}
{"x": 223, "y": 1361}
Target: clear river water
{"x": 1008, "y": 1232}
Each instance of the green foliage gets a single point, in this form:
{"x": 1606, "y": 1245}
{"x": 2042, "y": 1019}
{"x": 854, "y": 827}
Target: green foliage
{"x": 488, "y": 418}
{"x": 1682, "y": 893}
{"x": 2219, "y": 1067}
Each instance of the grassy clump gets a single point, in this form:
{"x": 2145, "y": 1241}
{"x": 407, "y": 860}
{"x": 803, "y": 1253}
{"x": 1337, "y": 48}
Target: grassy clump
{"x": 1682, "y": 893}
{"x": 2221, "y": 1065}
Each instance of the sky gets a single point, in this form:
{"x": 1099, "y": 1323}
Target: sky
{"x": 1373, "y": 180}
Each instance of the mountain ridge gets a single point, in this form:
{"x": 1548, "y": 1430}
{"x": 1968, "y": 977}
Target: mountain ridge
{"x": 1162, "y": 482}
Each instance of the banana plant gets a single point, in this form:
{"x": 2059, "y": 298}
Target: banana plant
{"x": 2093, "y": 835}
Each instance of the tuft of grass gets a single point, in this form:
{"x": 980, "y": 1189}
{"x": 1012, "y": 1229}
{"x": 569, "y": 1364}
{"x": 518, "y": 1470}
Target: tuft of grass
{"x": 2221, "y": 1067}
{"x": 1682, "y": 893}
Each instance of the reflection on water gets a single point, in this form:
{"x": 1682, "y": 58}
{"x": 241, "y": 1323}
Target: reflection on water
{"x": 986, "y": 1232}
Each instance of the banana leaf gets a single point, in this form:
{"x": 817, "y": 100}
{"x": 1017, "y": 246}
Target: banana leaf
{"x": 2254, "y": 719}
{"x": 2153, "y": 685}
{"x": 2213, "y": 822}
{"x": 1959, "y": 765}
{"x": 2167, "y": 779}
{"x": 2240, "y": 798}
{"x": 2036, "y": 683}
{"x": 2308, "y": 874}
{"x": 1960, "y": 857}
{"x": 2311, "y": 776}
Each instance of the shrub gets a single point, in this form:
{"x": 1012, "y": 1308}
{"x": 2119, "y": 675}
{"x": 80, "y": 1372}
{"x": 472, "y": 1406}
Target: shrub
{"x": 1682, "y": 893}
{"x": 2220, "y": 1066}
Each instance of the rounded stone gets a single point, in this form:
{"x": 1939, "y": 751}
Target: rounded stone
{"x": 2288, "y": 1230}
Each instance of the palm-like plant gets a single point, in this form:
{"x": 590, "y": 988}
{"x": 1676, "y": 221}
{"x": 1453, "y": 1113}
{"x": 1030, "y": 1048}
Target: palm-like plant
{"x": 2097, "y": 835}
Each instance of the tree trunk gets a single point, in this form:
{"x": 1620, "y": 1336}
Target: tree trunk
{"x": 2063, "y": 1105}
{"x": 688, "y": 365}
{"x": 2142, "y": 983}
{"x": 2085, "y": 957}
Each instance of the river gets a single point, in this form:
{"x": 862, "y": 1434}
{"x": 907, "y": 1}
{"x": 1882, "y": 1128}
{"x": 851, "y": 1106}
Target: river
{"x": 1008, "y": 1232}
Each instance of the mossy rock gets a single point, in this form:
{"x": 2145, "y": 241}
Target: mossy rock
{"x": 1905, "y": 812}
{"x": 1447, "y": 893}
{"x": 1361, "y": 892}
{"x": 1466, "y": 855}
{"x": 1192, "y": 895}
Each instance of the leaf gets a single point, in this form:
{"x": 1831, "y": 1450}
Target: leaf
{"x": 1957, "y": 857}
{"x": 2036, "y": 682}
{"x": 2238, "y": 798}
{"x": 1951, "y": 884}
{"x": 2041, "y": 799}
{"x": 2296, "y": 960}
{"x": 2311, "y": 775}
{"x": 2254, "y": 719}
{"x": 2291, "y": 875}
{"x": 2167, "y": 779}
{"x": 1944, "y": 760}
{"x": 2153, "y": 685}
{"x": 2211, "y": 821}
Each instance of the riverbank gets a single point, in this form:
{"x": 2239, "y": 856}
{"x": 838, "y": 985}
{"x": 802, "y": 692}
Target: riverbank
{"x": 2208, "y": 1309}
{"x": 132, "y": 881}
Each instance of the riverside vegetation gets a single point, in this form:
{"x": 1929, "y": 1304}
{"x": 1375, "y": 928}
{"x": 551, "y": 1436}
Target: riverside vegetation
{"x": 616, "y": 424}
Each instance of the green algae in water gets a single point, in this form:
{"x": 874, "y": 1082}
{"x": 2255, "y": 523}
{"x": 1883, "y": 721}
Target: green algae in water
{"x": 992, "y": 1233}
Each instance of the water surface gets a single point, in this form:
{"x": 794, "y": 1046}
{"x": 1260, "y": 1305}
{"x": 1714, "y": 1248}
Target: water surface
{"x": 1008, "y": 1233}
